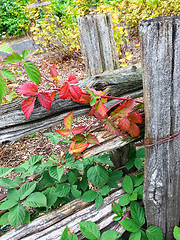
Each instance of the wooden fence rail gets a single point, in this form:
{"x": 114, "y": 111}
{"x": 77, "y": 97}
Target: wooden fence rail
{"x": 160, "y": 41}
{"x": 14, "y": 125}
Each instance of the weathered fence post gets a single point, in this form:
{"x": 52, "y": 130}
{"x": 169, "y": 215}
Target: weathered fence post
{"x": 97, "y": 43}
{"x": 160, "y": 43}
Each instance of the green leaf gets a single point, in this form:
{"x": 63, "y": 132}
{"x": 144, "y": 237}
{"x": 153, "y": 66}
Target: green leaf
{"x": 26, "y": 189}
{"x": 19, "y": 169}
{"x": 140, "y": 153}
{"x": 83, "y": 184}
{"x": 51, "y": 196}
{"x": 137, "y": 180}
{"x": 62, "y": 189}
{"x": 5, "y": 171}
{"x": 26, "y": 53}
{"x": 139, "y": 191}
{"x": 133, "y": 197}
{"x": 129, "y": 225}
{"x": 71, "y": 178}
{"x": 32, "y": 72}
{"x": 89, "y": 196}
{"x": 137, "y": 213}
{"x": 27, "y": 218}
{"x": 154, "y": 233}
{"x": 98, "y": 201}
{"x": 18, "y": 180}
{"x": 115, "y": 175}
{"x": 8, "y": 74}
{"x": 35, "y": 159}
{"x": 124, "y": 200}
{"x": 129, "y": 164}
{"x": 6, "y": 182}
{"x": 127, "y": 184}
{"x": 5, "y": 47}
{"x": 132, "y": 152}
{"x": 112, "y": 183}
{"x": 76, "y": 193}
{"x": 8, "y": 204}
{"x": 176, "y": 233}
{"x": 16, "y": 215}
{"x": 13, "y": 58}
{"x": 135, "y": 236}
{"x": 4, "y": 219}
{"x": 56, "y": 172}
{"x": 90, "y": 230}
{"x": 138, "y": 163}
{"x": 67, "y": 235}
{"x": 46, "y": 180}
{"x": 3, "y": 89}
{"x": 36, "y": 199}
{"x": 13, "y": 194}
{"x": 117, "y": 209}
{"x": 105, "y": 190}
{"x": 109, "y": 234}
{"x": 105, "y": 160}
{"x": 98, "y": 175}
{"x": 93, "y": 101}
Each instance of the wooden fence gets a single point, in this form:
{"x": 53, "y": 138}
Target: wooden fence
{"x": 161, "y": 69}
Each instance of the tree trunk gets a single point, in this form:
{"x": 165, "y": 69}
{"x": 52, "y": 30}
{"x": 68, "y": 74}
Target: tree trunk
{"x": 97, "y": 43}
{"x": 14, "y": 125}
{"x": 161, "y": 68}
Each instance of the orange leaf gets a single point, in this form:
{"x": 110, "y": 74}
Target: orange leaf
{"x": 63, "y": 132}
{"x": 78, "y": 138}
{"x": 134, "y": 130}
{"x": 135, "y": 117}
{"x": 102, "y": 109}
{"x": 123, "y": 110}
{"x": 109, "y": 126}
{"x": 79, "y": 147}
{"x": 68, "y": 120}
{"x": 79, "y": 129}
{"x": 124, "y": 124}
{"x": 84, "y": 99}
{"x": 92, "y": 139}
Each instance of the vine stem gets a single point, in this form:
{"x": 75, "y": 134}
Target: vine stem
{"x": 127, "y": 214}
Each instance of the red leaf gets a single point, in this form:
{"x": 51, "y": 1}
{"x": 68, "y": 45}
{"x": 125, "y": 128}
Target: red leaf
{"x": 84, "y": 99}
{"x": 79, "y": 129}
{"x": 72, "y": 79}
{"x": 53, "y": 95}
{"x": 27, "y": 106}
{"x": 124, "y": 124}
{"x": 79, "y": 147}
{"x": 63, "y": 132}
{"x": 68, "y": 120}
{"x": 109, "y": 126}
{"x": 53, "y": 72}
{"x": 91, "y": 112}
{"x": 123, "y": 110}
{"x": 78, "y": 138}
{"x": 92, "y": 139}
{"x": 102, "y": 109}
{"x": 64, "y": 91}
{"x": 134, "y": 130}
{"x": 75, "y": 92}
{"x": 135, "y": 117}
{"x": 28, "y": 89}
{"x": 45, "y": 99}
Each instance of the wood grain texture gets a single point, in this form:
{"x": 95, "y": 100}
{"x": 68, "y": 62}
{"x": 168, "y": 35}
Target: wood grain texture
{"x": 97, "y": 43}
{"x": 14, "y": 125}
{"x": 51, "y": 225}
{"x": 161, "y": 69}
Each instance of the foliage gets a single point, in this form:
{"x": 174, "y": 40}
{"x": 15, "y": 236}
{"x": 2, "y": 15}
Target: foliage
{"x": 176, "y": 233}
{"x": 13, "y": 18}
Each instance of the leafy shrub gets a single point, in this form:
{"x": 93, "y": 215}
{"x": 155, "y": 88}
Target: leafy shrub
{"x": 13, "y": 18}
